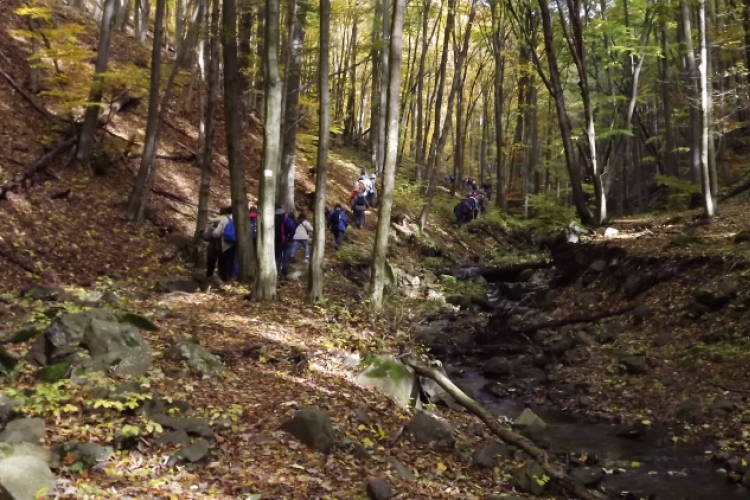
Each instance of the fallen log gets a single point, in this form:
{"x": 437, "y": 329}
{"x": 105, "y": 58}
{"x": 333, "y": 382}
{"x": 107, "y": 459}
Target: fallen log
{"x": 27, "y": 96}
{"x": 37, "y": 166}
{"x": 510, "y": 273}
{"x": 506, "y": 435}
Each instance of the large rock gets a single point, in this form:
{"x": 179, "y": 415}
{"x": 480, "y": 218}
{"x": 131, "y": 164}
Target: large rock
{"x": 391, "y": 376}
{"x": 88, "y": 454}
{"x": 112, "y": 339}
{"x": 588, "y": 476}
{"x": 195, "y": 355}
{"x": 313, "y": 427}
{"x": 427, "y": 429}
{"x": 8, "y": 407}
{"x": 46, "y": 293}
{"x": 194, "y": 453}
{"x": 8, "y": 450}
{"x": 195, "y": 426}
{"x": 23, "y": 430}
{"x": 635, "y": 365}
{"x": 7, "y": 361}
{"x": 25, "y": 478}
{"x": 530, "y": 478}
{"x": 486, "y": 456}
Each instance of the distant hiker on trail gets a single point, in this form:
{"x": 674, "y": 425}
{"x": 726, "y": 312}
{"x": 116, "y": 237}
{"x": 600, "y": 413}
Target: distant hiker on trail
{"x": 284, "y": 229}
{"x": 373, "y": 188}
{"x": 302, "y": 237}
{"x": 225, "y": 233}
{"x": 482, "y": 204}
{"x": 474, "y": 197}
{"x": 464, "y": 211}
{"x": 358, "y": 201}
{"x": 337, "y": 223}
{"x": 253, "y": 214}
{"x": 488, "y": 189}
{"x": 213, "y": 247}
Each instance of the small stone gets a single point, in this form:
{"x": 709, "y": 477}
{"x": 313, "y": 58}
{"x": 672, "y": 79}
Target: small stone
{"x": 610, "y": 232}
{"x": 635, "y": 365}
{"x": 527, "y": 478}
{"x": 427, "y": 429}
{"x": 378, "y": 489}
{"x": 588, "y": 476}
{"x": 486, "y": 457}
{"x": 361, "y": 453}
{"x": 663, "y": 339}
{"x": 402, "y": 470}
{"x": 530, "y": 420}
{"x": 193, "y": 425}
{"x": 362, "y": 417}
{"x": 88, "y": 454}
{"x": 598, "y": 265}
{"x": 642, "y": 313}
{"x": 193, "y": 453}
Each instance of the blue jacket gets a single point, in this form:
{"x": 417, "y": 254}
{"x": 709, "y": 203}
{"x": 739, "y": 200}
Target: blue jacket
{"x": 342, "y": 224}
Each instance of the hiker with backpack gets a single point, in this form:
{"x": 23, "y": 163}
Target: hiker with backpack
{"x": 253, "y": 214}
{"x": 284, "y": 229}
{"x": 225, "y": 233}
{"x": 358, "y": 202}
{"x": 213, "y": 247}
{"x": 464, "y": 211}
{"x": 301, "y": 237}
{"x": 337, "y": 223}
{"x": 373, "y": 187}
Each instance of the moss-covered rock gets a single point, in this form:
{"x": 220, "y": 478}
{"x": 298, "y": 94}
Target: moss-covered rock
{"x": 391, "y": 376}
{"x": 53, "y": 373}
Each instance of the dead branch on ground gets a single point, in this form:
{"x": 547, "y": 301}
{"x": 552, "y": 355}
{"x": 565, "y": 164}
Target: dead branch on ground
{"x": 27, "y": 96}
{"x": 506, "y": 435}
{"x": 37, "y": 166}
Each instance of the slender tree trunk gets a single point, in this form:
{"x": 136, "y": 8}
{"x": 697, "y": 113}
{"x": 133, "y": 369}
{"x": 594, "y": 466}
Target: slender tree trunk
{"x": 383, "y": 86}
{"x": 562, "y": 116}
{"x": 315, "y": 283}
{"x": 385, "y": 201}
{"x": 419, "y": 157}
{"x": 375, "y": 94}
{"x": 693, "y": 86}
{"x": 666, "y": 96}
{"x": 212, "y": 81}
{"x": 265, "y": 284}
{"x": 498, "y": 50}
{"x": 125, "y": 15}
{"x": 86, "y": 137}
{"x": 139, "y": 194}
{"x": 179, "y": 28}
{"x": 708, "y": 204}
{"x": 291, "y": 109}
{"x": 351, "y": 118}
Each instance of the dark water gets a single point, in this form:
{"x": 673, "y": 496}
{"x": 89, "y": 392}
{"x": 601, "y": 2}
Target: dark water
{"x": 666, "y": 471}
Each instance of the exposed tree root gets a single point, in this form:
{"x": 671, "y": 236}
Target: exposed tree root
{"x": 506, "y": 435}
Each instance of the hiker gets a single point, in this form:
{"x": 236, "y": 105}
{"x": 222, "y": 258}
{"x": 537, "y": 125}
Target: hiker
{"x": 213, "y": 247}
{"x": 463, "y": 211}
{"x": 337, "y": 223}
{"x": 358, "y": 202}
{"x": 474, "y": 196}
{"x": 482, "y": 204}
{"x": 252, "y": 212}
{"x": 488, "y": 190}
{"x": 373, "y": 188}
{"x": 302, "y": 237}
{"x": 225, "y": 233}
{"x": 284, "y": 229}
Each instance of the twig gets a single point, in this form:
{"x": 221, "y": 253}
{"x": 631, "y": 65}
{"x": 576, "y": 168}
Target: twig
{"x": 27, "y": 96}
{"x": 508, "y": 436}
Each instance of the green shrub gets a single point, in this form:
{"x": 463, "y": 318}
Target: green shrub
{"x": 679, "y": 192}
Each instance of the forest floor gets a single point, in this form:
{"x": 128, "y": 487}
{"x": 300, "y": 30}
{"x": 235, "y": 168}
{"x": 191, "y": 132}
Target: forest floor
{"x": 67, "y": 227}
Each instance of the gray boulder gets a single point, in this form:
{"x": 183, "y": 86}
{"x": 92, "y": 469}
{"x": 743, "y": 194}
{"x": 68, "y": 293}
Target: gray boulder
{"x": 118, "y": 345}
{"x": 486, "y": 456}
{"x": 46, "y": 293}
{"x": 174, "y": 438}
{"x": 8, "y": 450}
{"x": 23, "y": 430}
{"x": 8, "y": 407}
{"x": 24, "y": 478}
{"x": 195, "y": 355}
{"x": 7, "y": 361}
{"x": 194, "y": 453}
{"x": 402, "y": 470}
{"x": 88, "y": 454}
{"x": 392, "y": 377}
{"x": 313, "y": 428}
{"x": 529, "y": 478}
{"x": 378, "y": 488}
{"x": 427, "y": 429}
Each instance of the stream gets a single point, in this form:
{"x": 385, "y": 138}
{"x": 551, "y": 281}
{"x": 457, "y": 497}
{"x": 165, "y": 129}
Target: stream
{"x": 650, "y": 466}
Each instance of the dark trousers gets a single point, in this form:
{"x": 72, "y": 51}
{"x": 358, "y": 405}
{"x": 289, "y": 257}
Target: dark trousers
{"x": 227, "y": 263}
{"x": 359, "y": 217}
{"x": 283, "y": 256}
{"x": 338, "y": 237}
{"x": 213, "y": 254}
{"x": 371, "y": 199}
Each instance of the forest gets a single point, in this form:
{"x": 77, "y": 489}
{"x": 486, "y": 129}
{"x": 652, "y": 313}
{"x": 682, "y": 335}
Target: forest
{"x": 544, "y": 292}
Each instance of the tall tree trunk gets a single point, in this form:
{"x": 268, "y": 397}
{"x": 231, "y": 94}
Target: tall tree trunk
{"x": 86, "y": 137}
{"x": 383, "y": 86}
{"x": 291, "y": 109}
{"x": 555, "y": 85}
{"x": 375, "y": 91}
{"x": 666, "y": 97}
{"x": 708, "y": 204}
{"x": 351, "y": 118}
{"x": 139, "y": 194}
{"x": 419, "y": 157}
{"x": 179, "y": 28}
{"x": 143, "y": 15}
{"x": 385, "y": 202}
{"x": 233, "y": 131}
{"x": 124, "y": 17}
{"x": 265, "y": 284}
{"x": 693, "y": 87}
{"x": 212, "y": 82}
{"x": 434, "y": 166}
{"x": 498, "y": 50}
{"x": 315, "y": 282}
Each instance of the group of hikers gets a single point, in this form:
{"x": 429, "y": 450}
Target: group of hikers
{"x": 291, "y": 233}
{"x": 474, "y": 205}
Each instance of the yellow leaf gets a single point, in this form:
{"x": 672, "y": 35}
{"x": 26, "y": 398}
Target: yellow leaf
{"x": 635, "y": 464}
{"x": 646, "y": 422}
{"x": 367, "y": 443}
{"x": 442, "y": 467}
{"x": 361, "y": 427}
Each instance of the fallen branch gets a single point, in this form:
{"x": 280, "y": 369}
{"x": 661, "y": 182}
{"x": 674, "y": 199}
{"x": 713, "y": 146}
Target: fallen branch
{"x": 37, "y": 166}
{"x": 27, "y": 96}
{"x": 727, "y": 388}
{"x": 510, "y": 273}
{"x": 570, "y": 320}
{"x": 506, "y": 435}
{"x": 738, "y": 190}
